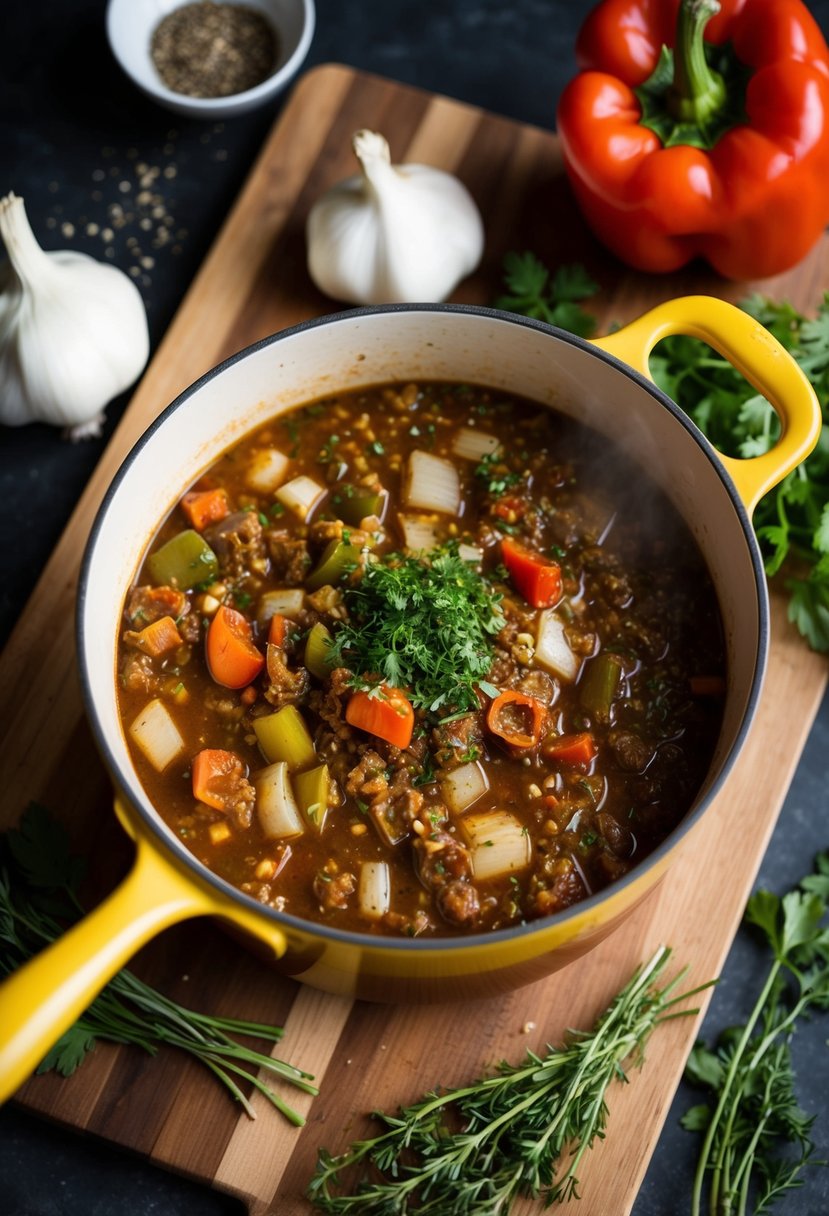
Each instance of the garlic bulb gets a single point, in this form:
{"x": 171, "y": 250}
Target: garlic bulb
{"x": 393, "y": 233}
{"x": 73, "y": 332}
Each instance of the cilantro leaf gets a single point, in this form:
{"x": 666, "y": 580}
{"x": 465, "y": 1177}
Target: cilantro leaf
{"x": 40, "y": 847}
{"x": 69, "y": 1052}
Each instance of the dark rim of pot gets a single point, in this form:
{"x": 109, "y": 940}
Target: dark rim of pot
{"x": 125, "y": 780}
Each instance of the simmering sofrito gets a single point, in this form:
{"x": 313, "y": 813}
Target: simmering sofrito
{"x": 422, "y": 659}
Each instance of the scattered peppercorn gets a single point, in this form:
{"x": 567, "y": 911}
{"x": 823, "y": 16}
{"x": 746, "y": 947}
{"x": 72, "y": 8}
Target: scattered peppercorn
{"x": 213, "y": 50}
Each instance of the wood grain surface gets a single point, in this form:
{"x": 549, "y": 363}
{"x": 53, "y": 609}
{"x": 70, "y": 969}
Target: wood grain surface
{"x": 252, "y": 283}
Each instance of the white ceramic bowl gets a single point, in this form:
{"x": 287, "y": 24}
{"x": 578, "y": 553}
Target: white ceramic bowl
{"x": 130, "y": 24}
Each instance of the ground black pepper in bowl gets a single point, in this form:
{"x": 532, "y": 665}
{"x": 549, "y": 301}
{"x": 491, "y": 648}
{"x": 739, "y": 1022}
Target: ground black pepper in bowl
{"x": 207, "y": 49}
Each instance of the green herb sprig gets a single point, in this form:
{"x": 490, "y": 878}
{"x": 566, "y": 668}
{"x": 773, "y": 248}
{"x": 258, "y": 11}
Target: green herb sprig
{"x": 39, "y": 881}
{"x": 423, "y": 623}
{"x": 472, "y": 1151}
{"x": 756, "y": 1138}
{"x": 557, "y": 299}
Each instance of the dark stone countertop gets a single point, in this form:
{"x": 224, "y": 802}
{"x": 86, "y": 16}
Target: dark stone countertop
{"x": 72, "y": 128}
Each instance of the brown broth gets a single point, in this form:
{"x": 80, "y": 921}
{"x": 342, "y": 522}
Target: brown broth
{"x": 641, "y": 619}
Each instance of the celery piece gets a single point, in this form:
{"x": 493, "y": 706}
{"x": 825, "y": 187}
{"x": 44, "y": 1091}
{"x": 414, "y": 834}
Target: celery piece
{"x": 311, "y": 791}
{"x": 353, "y": 504}
{"x": 183, "y": 562}
{"x": 338, "y": 557}
{"x": 317, "y": 646}
{"x": 284, "y": 736}
{"x": 599, "y": 685}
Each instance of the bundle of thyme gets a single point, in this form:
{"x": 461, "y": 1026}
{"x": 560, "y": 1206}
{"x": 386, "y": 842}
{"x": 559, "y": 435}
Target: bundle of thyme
{"x": 39, "y": 881}
{"x": 522, "y": 1132}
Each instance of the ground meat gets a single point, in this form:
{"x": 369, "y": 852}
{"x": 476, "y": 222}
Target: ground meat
{"x": 367, "y": 780}
{"x": 237, "y": 542}
{"x": 458, "y": 903}
{"x": 458, "y": 742}
{"x": 190, "y": 627}
{"x": 333, "y": 890}
{"x": 504, "y": 668}
{"x": 617, "y": 837}
{"x": 439, "y": 858}
{"x": 138, "y": 673}
{"x": 632, "y": 752}
{"x": 289, "y": 555}
{"x": 408, "y": 926}
{"x": 284, "y": 685}
{"x": 327, "y": 601}
{"x": 327, "y": 703}
{"x": 148, "y": 604}
{"x": 566, "y": 888}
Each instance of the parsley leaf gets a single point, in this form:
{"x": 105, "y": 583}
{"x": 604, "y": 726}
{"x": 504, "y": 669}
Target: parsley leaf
{"x": 404, "y": 627}
{"x": 558, "y": 302}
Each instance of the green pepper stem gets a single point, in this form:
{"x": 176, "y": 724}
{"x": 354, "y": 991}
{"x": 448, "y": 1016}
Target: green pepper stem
{"x": 697, "y": 92}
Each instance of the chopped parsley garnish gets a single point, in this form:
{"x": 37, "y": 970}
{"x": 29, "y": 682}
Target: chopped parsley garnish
{"x": 494, "y": 474}
{"x": 424, "y": 624}
{"x": 377, "y": 448}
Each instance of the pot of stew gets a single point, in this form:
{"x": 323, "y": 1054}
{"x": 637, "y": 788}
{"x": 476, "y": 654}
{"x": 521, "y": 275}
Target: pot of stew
{"x": 416, "y": 639}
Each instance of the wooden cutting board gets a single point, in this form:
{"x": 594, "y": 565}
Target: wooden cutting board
{"x": 252, "y": 283}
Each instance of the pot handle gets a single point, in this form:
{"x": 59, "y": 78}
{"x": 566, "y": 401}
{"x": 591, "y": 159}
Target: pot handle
{"x": 47, "y": 994}
{"x": 754, "y": 352}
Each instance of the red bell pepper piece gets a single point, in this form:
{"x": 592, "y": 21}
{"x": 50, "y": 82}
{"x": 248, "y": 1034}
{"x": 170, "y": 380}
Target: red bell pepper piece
{"x": 536, "y": 577}
{"x": 728, "y": 159}
{"x": 517, "y": 718}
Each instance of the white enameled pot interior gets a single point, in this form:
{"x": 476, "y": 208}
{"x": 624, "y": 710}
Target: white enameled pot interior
{"x": 355, "y": 349}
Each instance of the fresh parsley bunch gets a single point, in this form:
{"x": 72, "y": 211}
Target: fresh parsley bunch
{"x": 424, "y": 623}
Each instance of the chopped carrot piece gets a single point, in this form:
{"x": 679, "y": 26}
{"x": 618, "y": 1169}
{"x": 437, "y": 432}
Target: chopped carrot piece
{"x": 533, "y": 575}
{"x": 277, "y": 630}
{"x": 387, "y": 713}
{"x": 158, "y": 637}
{"x": 203, "y": 507}
{"x": 516, "y": 718}
{"x": 232, "y": 657}
{"x": 577, "y": 750}
{"x": 215, "y": 773}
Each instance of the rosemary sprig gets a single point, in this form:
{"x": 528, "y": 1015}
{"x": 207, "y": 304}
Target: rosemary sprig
{"x": 756, "y": 1138}
{"x": 38, "y": 900}
{"x": 472, "y": 1151}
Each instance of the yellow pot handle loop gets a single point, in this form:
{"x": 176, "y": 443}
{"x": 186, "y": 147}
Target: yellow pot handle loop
{"x": 754, "y": 352}
{"x": 49, "y": 993}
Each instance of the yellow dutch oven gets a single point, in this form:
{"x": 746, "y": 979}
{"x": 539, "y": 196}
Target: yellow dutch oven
{"x": 604, "y": 384}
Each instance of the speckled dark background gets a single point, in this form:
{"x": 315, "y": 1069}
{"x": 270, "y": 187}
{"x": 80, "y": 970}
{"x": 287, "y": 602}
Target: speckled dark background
{"x": 73, "y": 130}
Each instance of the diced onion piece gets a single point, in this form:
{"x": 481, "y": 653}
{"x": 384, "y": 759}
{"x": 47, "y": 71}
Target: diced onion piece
{"x": 157, "y": 735}
{"x": 419, "y": 535}
{"x": 283, "y": 603}
{"x": 552, "y": 650}
{"x": 300, "y": 495}
{"x": 284, "y": 736}
{"x": 464, "y": 785}
{"x": 374, "y": 890}
{"x": 278, "y": 812}
{"x": 474, "y": 445}
{"x": 498, "y": 843}
{"x": 432, "y": 484}
{"x": 266, "y": 470}
{"x": 471, "y": 554}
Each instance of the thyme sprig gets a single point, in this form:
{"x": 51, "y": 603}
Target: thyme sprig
{"x": 39, "y": 880}
{"x": 756, "y": 1137}
{"x": 473, "y": 1150}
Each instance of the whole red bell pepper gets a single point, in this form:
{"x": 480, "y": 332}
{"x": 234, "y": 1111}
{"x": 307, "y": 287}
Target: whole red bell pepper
{"x": 701, "y": 129}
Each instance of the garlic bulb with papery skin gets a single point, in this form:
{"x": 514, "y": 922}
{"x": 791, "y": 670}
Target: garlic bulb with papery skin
{"x": 73, "y": 332}
{"x": 394, "y": 233}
